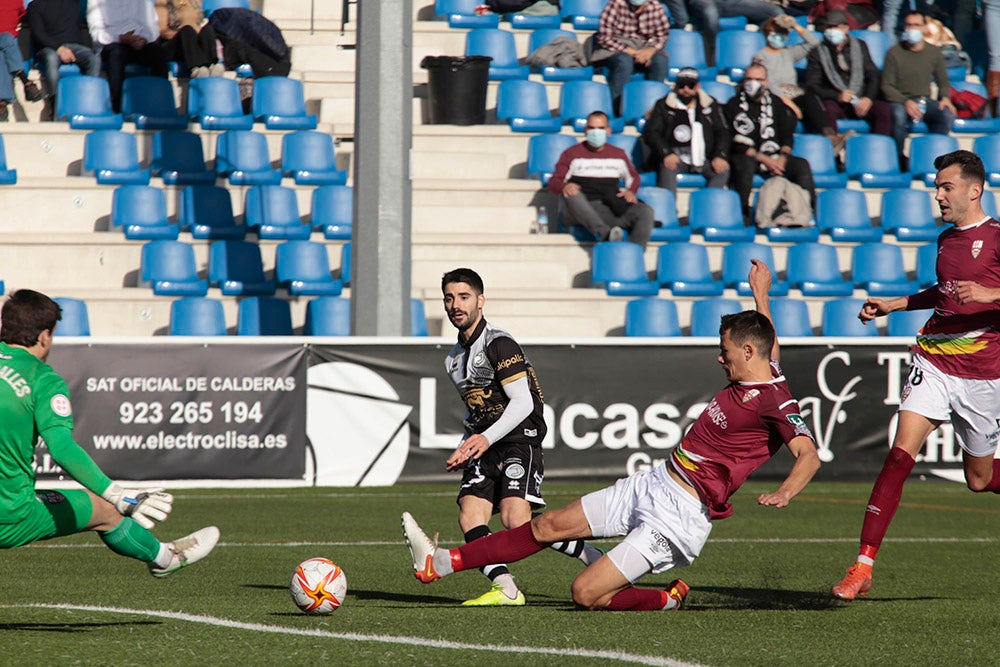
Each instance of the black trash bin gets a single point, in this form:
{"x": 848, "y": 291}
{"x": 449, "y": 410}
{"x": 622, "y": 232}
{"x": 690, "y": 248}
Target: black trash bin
{"x": 456, "y": 89}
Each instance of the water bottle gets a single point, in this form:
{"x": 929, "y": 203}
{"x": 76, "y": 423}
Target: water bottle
{"x": 855, "y": 100}
{"x": 922, "y": 103}
{"x": 541, "y": 225}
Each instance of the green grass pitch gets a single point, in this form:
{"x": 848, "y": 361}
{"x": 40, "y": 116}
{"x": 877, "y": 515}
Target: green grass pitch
{"x": 759, "y": 591}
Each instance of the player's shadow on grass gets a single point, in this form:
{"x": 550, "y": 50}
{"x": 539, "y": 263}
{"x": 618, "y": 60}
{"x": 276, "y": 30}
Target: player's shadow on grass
{"x": 69, "y": 627}
{"x": 710, "y": 598}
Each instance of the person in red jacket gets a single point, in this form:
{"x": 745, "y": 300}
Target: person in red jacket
{"x": 11, "y": 13}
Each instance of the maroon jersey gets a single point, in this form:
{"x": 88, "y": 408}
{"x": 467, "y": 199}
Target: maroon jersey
{"x": 961, "y": 339}
{"x": 743, "y": 426}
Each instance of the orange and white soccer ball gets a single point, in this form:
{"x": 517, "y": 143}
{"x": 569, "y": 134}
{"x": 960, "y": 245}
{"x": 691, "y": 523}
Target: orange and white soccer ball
{"x": 318, "y": 586}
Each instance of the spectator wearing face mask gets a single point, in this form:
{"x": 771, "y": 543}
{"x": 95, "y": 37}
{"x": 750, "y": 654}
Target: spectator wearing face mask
{"x": 686, "y": 133}
{"x": 841, "y": 71}
{"x": 906, "y": 84}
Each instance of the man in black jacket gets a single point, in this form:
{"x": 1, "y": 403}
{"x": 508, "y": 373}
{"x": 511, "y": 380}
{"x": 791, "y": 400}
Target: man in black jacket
{"x": 687, "y": 133}
{"x": 61, "y": 38}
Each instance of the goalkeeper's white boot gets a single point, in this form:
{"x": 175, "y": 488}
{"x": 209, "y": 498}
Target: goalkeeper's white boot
{"x": 187, "y": 550}
{"x": 422, "y": 549}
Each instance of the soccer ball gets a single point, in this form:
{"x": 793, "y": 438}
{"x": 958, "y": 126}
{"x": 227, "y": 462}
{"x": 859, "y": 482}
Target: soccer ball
{"x": 318, "y": 586}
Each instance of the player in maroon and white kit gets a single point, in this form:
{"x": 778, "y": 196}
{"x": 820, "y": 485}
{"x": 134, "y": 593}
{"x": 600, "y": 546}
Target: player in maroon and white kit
{"x": 955, "y": 375}
{"x": 666, "y": 513}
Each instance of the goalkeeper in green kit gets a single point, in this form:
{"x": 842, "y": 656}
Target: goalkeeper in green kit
{"x": 34, "y": 402}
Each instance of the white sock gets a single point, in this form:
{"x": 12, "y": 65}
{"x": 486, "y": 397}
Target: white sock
{"x": 442, "y": 562}
{"x": 509, "y": 587}
{"x": 164, "y": 557}
{"x": 866, "y": 560}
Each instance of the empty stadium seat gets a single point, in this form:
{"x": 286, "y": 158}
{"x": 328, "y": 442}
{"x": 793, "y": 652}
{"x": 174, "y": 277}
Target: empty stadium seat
{"x": 651, "y": 316}
{"x": 197, "y": 316}
{"x": 790, "y": 317}
{"x": 664, "y": 205}
{"x": 722, "y": 92}
{"x": 872, "y": 160}
{"x": 545, "y": 36}
{"x": 989, "y": 203}
{"x": 620, "y": 268}
{"x": 877, "y": 42}
{"x": 214, "y": 101}
{"x": 907, "y": 322}
{"x": 7, "y": 176}
{"x": 583, "y": 14}
{"x": 280, "y": 103}
{"x": 237, "y": 268}
{"x": 303, "y": 268}
{"x": 148, "y": 101}
{"x": 345, "y": 264}
{"x": 310, "y": 158}
{"x": 818, "y": 151}
{"x": 717, "y": 215}
{"x": 179, "y": 160}
{"x": 498, "y": 45}
{"x": 526, "y": 21}
{"x": 878, "y": 269}
{"x": 85, "y": 102}
{"x": 909, "y": 214}
{"x": 927, "y": 265}
{"x": 734, "y": 50}
{"x": 242, "y": 156}
{"x": 684, "y": 269}
{"x": 988, "y": 148}
{"x": 328, "y": 316}
{"x": 924, "y": 149}
{"x": 543, "y": 153}
{"x": 840, "y": 318}
{"x": 843, "y": 214}
{"x": 814, "y": 269}
{"x": 578, "y": 98}
{"x": 169, "y": 267}
{"x": 112, "y": 157}
{"x": 706, "y": 315}
{"x": 418, "y": 318}
{"x": 264, "y": 316}
{"x": 207, "y": 212}
{"x": 638, "y": 97}
{"x": 333, "y": 211}
{"x": 687, "y": 49}
{"x": 141, "y": 212}
{"x": 462, "y": 14}
{"x": 273, "y": 212}
{"x": 75, "y": 320}
{"x": 736, "y": 267}
{"x": 524, "y": 105}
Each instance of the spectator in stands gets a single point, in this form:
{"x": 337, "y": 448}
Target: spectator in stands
{"x": 756, "y": 11}
{"x": 841, "y": 71}
{"x": 706, "y": 13}
{"x": 780, "y": 59}
{"x": 687, "y": 133}
{"x": 11, "y": 13}
{"x": 126, "y": 31}
{"x": 186, "y": 38}
{"x": 59, "y": 39}
{"x": 587, "y": 176}
{"x": 763, "y": 132}
{"x": 631, "y": 37}
{"x": 906, "y": 84}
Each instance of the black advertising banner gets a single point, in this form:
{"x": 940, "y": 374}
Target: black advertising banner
{"x": 186, "y": 411}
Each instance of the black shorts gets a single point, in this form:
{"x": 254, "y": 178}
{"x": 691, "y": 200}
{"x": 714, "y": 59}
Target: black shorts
{"x": 506, "y": 471}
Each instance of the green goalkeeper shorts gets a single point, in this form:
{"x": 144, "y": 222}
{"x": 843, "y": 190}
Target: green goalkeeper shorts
{"x": 54, "y": 514}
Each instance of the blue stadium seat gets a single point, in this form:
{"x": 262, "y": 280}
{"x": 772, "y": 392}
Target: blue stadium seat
{"x": 418, "y": 318}
{"x": 310, "y": 158}
{"x": 638, "y": 97}
{"x": 345, "y": 264}
{"x": 706, "y": 315}
{"x": 499, "y": 45}
{"x": 664, "y": 205}
{"x": 215, "y": 103}
{"x": 687, "y": 49}
{"x": 878, "y": 269}
{"x": 924, "y": 149}
{"x": 543, "y": 153}
{"x": 197, "y": 316}
{"x": 843, "y": 214}
{"x": 578, "y": 98}
{"x": 333, "y": 211}
{"x": 7, "y": 176}
{"x": 986, "y": 125}
{"x": 524, "y": 21}
{"x": 209, "y": 6}
{"x": 242, "y": 156}
{"x": 85, "y": 102}
{"x": 988, "y": 148}
{"x": 632, "y": 146}
{"x": 148, "y": 101}
{"x": 178, "y": 159}
{"x": 720, "y": 91}
{"x": 717, "y": 215}
{"x": 736, "y": 267}
{"x": 813, "y": 268}
{"x": 733, "y": 22}
{"x": 734, "y": 50}
{"x": 989, "y": 204}
{"x": 620, "y": 268}
{"x": 169, "y": 268}
{"x": 264, "y": 316}
{"x": 907, "y": 322}
{"x": 877, "y": 42}
{"x": 525, "y": 106}
{"x": 303, "y": 268}
{"x": 207, "y": 212}
{"x": 112, "y": 156}
{"x": 791, "y": 317}
{"x": 583, "y": 14}
{"x": 684, "y": 269}
{"x": 927, "y": 265}
{"x": 909, "y": 214}
{"x": 273, "y": 212}
{"x": 141, "y": 212}
{"x": 462, "y": 14}
{"x": 651, "y": 316}
{"x": 818, "y": 151}
{"x": 873, "y": 161}
{"x": 545, "y": 36}
{"x": 328, "y": 316}
{"x": 237, "y": 268}
{"x": 280, "y": 103}
{"x": 840, "y": 318}
{"x": 75, "y": 320}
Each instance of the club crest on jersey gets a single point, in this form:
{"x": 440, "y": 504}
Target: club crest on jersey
{"x": 977, "y": 247}
{"x": 514, "y": 471}
{"x": 60, "y": 405}
{"x": 750, "y": 395}
{"x": 905, "y": 393}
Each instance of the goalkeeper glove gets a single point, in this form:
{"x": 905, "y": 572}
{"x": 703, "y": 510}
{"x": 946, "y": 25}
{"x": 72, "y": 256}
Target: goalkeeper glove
{"x": 143, "y": 506}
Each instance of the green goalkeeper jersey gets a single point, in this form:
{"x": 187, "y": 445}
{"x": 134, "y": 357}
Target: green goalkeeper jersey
{"x": 34, "y": 401}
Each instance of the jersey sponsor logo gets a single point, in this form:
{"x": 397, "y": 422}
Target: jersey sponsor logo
{"x": 799, "y": 424}
{"x": 479, "y": 359}
{"x": 476, "y": 398}
{"x": 61, "y": 406}
{"x": 514, "y": 471}
{"x": 715, "y": 413}
{"x": 750, "y": 395}
{"x": 977, "y": 247}
{"x": 531, "y": 432}
{"x": 510, "y": 361}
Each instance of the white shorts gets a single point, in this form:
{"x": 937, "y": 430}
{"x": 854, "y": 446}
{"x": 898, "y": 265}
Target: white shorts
{"x": 972, "y": 406}
{"x": 665, "y": 526}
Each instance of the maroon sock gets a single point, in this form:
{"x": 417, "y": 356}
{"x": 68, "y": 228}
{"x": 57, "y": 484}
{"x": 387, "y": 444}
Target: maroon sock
{"x": 994, "y": 484}
{"x": 505, "y": 546}
{"x": 638, "y": 599}
{"x": 884, "y": 501}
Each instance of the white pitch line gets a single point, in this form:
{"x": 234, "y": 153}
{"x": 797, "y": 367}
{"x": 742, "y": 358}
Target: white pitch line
{"x": 382, "y": 639}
